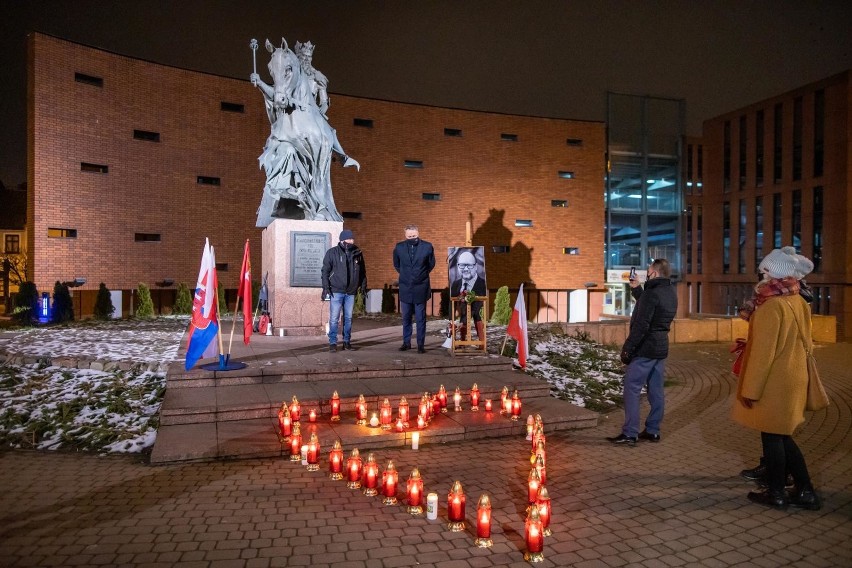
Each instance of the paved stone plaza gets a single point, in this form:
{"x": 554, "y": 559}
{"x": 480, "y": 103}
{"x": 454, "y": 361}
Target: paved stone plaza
{"x": 676, "y": 503}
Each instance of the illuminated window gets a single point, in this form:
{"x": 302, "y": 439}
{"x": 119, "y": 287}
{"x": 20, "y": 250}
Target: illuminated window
{"x": 58, "y": 233}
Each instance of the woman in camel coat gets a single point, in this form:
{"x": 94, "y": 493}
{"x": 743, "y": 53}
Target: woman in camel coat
{"x": 772, "y": 388}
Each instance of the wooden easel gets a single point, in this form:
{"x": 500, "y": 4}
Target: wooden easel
{"x": 461, "y": 346}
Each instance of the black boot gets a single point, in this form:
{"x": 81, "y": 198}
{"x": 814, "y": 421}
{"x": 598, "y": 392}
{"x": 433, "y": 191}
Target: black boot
{"x": 755, "y": 473}
{"x": 768, "y": 498}
{"x": 804, "y": 499}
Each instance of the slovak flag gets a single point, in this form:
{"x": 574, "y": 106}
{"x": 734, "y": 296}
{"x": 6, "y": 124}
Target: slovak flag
{"x": 204, "y": 324}
{"x": 517, "y": 328}
{"x": 244, "y": 292}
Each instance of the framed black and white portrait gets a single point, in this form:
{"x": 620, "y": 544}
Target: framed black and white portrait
{"x": 467, "y": 270}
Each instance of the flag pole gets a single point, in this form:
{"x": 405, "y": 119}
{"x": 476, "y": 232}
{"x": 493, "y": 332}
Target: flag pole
{"x": 236, "y": 311}
{"x": 505, "y": 339}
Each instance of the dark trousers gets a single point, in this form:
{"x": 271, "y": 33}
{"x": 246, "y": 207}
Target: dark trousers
{"x": 419, "y": 313}
{"x": 782, "y": 455}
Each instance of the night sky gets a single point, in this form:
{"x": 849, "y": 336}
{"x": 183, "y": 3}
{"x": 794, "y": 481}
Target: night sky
{"x": 542, "y": 58}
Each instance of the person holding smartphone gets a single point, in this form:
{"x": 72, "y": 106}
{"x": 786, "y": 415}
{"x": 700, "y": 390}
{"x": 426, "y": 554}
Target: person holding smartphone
{"x": 645, "y": 352}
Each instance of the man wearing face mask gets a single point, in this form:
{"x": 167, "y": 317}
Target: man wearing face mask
{"x": 343, "y": 274}
{"x": 414, "y": 259}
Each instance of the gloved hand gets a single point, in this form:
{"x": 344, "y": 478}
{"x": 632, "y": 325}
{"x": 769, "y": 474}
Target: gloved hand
{"x": 327, "y": 295}
{"x": 625, "y": 357}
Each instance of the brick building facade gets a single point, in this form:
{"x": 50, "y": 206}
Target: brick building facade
{"x": 131, "y": 164}
{"x": 774, "y": 173}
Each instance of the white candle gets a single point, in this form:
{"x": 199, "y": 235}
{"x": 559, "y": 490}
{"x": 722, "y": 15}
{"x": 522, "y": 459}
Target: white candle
{"x": 432, "y": 506}
{"x": 305, "y": 454}
{"x": 374, "y": 421}
{"x": 415, "y": 440}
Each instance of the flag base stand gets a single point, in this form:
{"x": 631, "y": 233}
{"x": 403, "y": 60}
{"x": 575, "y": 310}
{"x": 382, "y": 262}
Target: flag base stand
{"x": 224, "y": 364}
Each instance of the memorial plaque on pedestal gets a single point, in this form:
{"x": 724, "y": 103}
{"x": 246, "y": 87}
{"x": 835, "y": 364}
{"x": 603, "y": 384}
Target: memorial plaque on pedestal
{"x": 306, "y": 254}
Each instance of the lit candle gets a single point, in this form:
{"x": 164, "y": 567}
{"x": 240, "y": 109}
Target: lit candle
{"x": 370, "y": 476}
{"x": 516, "y": 406}
{"x": 474, "y": 397}
{"x": 483, "y": 523}
{"x": 361, "y": 411}
{"x": 400, "y": 426}
{"x": 415, "y": 440}
{"x": 534, "y": 537}
{"x": 353, "y": 470}
{"x": 539, "y": 452}
{"x": 455, "y": 507}
{"x": 313, "y": 452}
{"x": 423, "y": 410}
{"x": 487, "y": 405}
{"x": 542, "y": 471}
{"x": 544, "y": 510}
{"x": 436, "y": 406}
{"x": 335, "y": 461}
{"x": 538, "y": 436}
{"x": 296, "y": 443}
{"x": 414, "y": 490}
{"x": 335, "y": 407}
{"x": 421, "y": 423}
{"x": 530, "y": 426}
{"x": 374, "y": 420}
{"x": 403, "y": 412}
{"x": 386, "y": 415}
{"x": 284, "y": 423}
{"x": 442, "y": 398}
{"x": 533, "y": 484}
{"x": 457, "y": 400}
{"x": 390, "y": 480}
{"x": 295, "y": 409}
{"x": 312, "y": 415}
{"x": 504, "y": 395}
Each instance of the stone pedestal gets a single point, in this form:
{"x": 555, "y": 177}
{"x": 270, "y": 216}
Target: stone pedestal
{"x": 299, "y": 310}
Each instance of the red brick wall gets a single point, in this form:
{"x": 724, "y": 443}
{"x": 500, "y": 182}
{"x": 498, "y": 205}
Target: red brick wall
{"x": 151, "y": 187}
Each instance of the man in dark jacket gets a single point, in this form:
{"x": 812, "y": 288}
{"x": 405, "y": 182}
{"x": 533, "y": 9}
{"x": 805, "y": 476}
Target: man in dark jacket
{"x": 343, "y": 274}
{"x": 414, "y": 259}
{"x": 645, "y": 351}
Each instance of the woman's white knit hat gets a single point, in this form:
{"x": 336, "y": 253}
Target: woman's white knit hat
{"x": 784, "y": 262}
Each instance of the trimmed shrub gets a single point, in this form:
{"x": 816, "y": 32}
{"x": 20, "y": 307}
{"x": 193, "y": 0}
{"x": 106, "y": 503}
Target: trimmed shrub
{"x": 502, "y": 307}
{"x": 388, "y": 303}
{"x": 63, "y": 307}
{"x": 103, "y": 304}
{"x": 25, "y": 307}
{"x": 145, "y": 307}
{"x": 183, "y": 300}
{"x": 360, "y": 307}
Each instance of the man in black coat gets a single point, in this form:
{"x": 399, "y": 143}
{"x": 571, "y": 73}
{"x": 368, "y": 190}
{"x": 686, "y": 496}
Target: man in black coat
{"x": 343, "y": 274}
{"x": 414, "y": 259}
{"x": 645, "y": 351}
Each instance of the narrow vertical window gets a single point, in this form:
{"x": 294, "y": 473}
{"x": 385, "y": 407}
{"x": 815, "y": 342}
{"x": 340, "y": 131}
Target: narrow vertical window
{"x": 758, "y": 149}
{"x": 776, "y": 220}
{"x": 743, "y": 150}
{"x": 726, "y": 237}
{"x": 797, "y": 138}
{"x": 777, "y": 144}
{"x": 797, "y": 218}
{"x": 819, "y": 132}
{"x": 690, "y": 177}
{"x": 726, "y": 157}
{"x": 741, "y": 236}
{"x": 700, "y": 182}
{"x": 758, "y": 231}
{"x": 689, "y": 239}
{"x": 817, "y": 216}
{"x": 699, "y": 244}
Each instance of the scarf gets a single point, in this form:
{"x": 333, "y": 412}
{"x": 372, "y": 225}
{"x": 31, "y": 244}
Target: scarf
{"x": 766, "y": 289}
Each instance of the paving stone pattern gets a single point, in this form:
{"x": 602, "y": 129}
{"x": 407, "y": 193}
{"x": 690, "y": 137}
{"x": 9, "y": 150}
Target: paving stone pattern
{"x": 676, "y": 503}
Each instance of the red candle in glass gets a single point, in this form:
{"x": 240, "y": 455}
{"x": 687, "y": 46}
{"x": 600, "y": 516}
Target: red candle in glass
{"x": 455, "y": 507}
{"x": 386, "y": 415}
{"x": 400, "y": 426}
{"x": 534, "y": 536}
{"x": 436, "y": 406}
{"x": 474, "y": 397}
{"x": 312, "y": 415}
{"x": 504, "y": 394}
{"x": 295, "y": 409}
{"x": 390, "y": 480}
{"x": 284, "y": 423}
{"x": 335, "y": 461}
{"x": 544, "y": 510}
{"x": 488, "y": 405}
{"x": 370, "y": 476}
{"x": 538, "y": 436}
{"x": 296, "y": 444}
{"x": 361, "y": 411}
{"x": 516, "y": 406}
{"x": 403, "y": 412}
{"x": 483, "y": 522}
{"x": 533, "y": 485}
{"x": 414, "y": 491}
{"x": 421, "y": 423}
{"x": 457, "y": 400}
{"x": 353, "y": 470}
{"x": 442, "y": 398}
{"x": 335, "y": 407}
{"x": 424, "y": 408}
{"x": 313, "y": 453}
{"x": 541, "y": 469}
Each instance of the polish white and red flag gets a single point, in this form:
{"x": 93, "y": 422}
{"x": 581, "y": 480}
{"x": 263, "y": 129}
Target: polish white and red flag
{"x": 517, "y": 328}
{"x": 244, "y": 292}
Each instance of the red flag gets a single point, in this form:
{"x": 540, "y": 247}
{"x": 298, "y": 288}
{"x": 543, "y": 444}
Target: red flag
{"x": 517, "y": 328}
{"x": 244, "y": 292}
